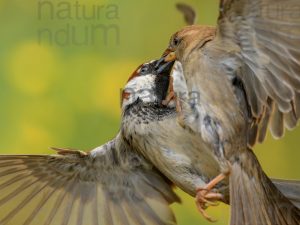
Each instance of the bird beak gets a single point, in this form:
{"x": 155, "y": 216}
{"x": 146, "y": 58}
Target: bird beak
{"x": 169, "y": 55}
{"x": 166, "y": 62}
{"x": 165, "y": 68}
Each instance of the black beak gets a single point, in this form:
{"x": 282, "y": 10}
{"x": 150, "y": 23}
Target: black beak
{"x": 159, "y": 62}
{"x": 162, "y": 67}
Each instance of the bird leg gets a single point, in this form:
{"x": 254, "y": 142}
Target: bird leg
{"x": 206, "y": 197}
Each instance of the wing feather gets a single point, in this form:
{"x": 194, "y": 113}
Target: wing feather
{"x": 277, "y": 123}
{"x": 290, "y": 120}
{"x": 111, "y": 185}
{"x": 71, "y": 196}
{"x": 107, "y": 217}
{"x": 95, "y": 206}
{"x": 264, "y": 123}
{"x": 188, "y": 12}
{"x": 57, "y": 204}
{"x": 37, "y": 209}
{"x": 133, "y": 213}
{"x": 268, "y": 35}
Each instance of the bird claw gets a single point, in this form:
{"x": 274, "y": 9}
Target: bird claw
{"x": 206, "y": 198}
{"x": 204, "y": 214}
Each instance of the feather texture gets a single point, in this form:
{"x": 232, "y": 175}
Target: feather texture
{"x": 290, "y": 188}
{"x": 267, "y": 206}
{"x": 188, "y": 12}
{"x": 111, "y": 185}
{"x": 268, "y": 34}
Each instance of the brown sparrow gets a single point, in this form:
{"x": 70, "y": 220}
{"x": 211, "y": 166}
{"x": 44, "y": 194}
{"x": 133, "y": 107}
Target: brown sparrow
{"x": 246, "y": 75}
{"x": 116, "y": 183}
{"x": 153, "y": 130}
{"x": 110, "y": 185}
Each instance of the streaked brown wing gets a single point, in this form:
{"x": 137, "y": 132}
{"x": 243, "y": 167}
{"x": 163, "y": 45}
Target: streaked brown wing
{"x": 268, "y": 35}
{"x": 109, "y": 186}
{"x": 188, "y": 12}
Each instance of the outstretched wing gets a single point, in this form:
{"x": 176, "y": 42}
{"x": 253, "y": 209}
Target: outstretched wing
{"x": 111, "y": 185}
{"x": 188, "y": 12}
{"x": 267, "y": 33}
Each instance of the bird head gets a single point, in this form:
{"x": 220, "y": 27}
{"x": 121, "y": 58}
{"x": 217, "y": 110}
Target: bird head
{"x": 148, "y": 83}
{"x": 183, "y": 42}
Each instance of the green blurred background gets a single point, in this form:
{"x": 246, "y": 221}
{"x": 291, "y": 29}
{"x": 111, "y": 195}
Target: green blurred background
{"x": 62, "y": 65}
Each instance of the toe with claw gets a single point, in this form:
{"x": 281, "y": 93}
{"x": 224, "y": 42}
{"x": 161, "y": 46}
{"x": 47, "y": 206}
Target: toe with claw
{"x": 205, "y": 198}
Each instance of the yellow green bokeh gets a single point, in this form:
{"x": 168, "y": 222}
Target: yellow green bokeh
{"x": 69, "y": 96}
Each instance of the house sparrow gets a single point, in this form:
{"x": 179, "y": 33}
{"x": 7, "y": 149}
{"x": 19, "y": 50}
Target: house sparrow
{"x": 112, "y": 184}
{"x": 115, "y": 183}
{"x": 246, "y": 74}
{"x": 178, "y": 153}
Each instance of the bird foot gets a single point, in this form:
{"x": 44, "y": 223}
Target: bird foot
{"x": 205, "y": 198}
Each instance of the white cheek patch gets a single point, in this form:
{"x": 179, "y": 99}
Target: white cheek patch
{"x": 142, "y": 88}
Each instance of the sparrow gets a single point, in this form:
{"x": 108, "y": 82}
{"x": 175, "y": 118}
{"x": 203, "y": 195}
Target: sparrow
{"x": 109, "y": 185}
{"x": 152, "y": 128}
{"x": 245, "y": 73}
{"x": 128, "y": 180}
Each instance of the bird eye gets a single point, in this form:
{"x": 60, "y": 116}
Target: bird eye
{"x": 143, "y": 70}
{"x": 176, "y": 41}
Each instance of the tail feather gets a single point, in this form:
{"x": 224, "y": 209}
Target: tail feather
{"x": 290, "y": 189}
{"x": 255, "y": 200}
